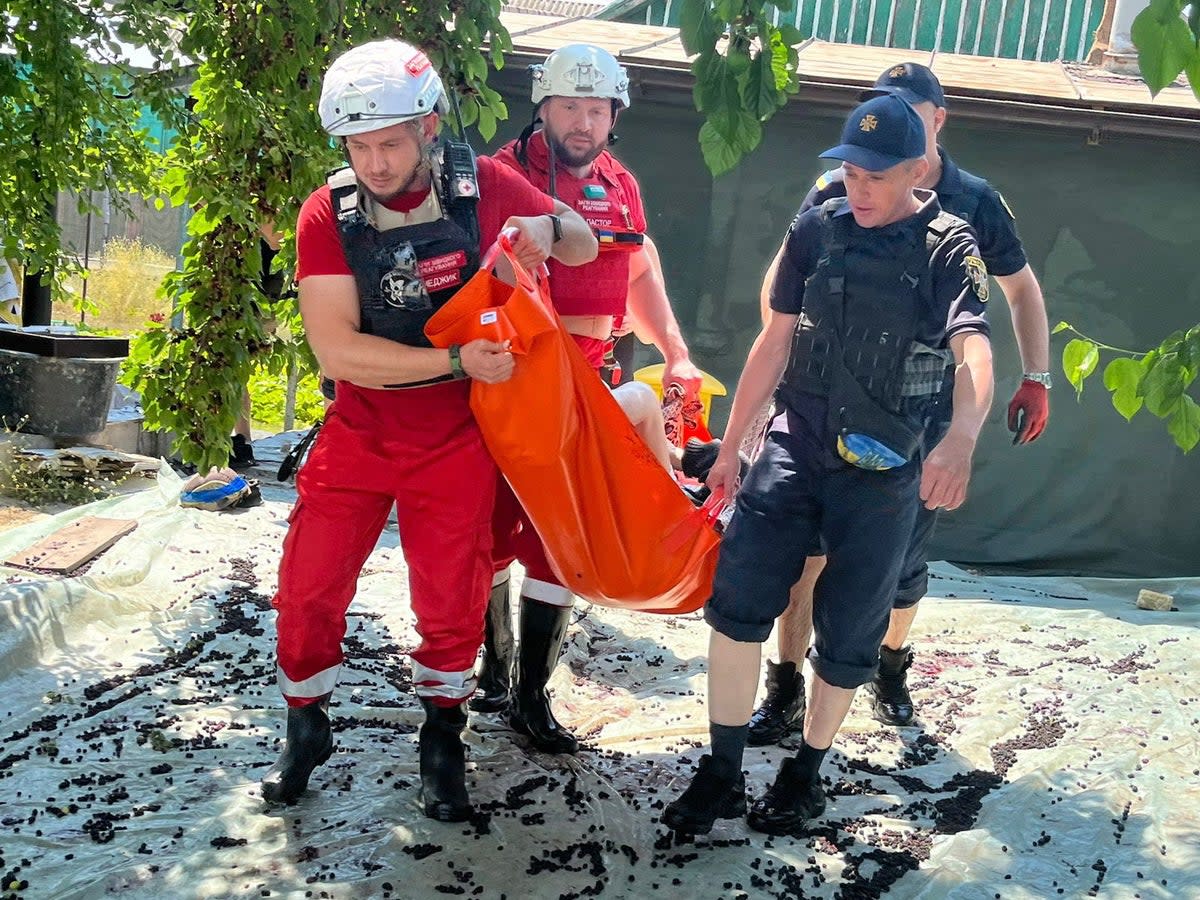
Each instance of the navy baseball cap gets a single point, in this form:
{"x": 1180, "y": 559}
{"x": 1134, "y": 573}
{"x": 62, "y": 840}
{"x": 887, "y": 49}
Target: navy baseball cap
{"x": 912, "y": 81}
{"x": 881, "y": 133}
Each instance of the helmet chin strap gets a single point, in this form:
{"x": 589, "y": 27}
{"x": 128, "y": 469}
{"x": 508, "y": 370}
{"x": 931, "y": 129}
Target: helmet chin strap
{"x": 523, "y": 149}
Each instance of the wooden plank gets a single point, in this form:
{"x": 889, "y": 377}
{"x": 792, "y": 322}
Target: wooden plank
{"x": 71, "y": 546}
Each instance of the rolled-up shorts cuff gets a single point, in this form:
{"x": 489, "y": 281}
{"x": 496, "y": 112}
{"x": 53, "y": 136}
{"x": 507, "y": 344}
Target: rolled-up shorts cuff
{"x": 747, "y": 633}
{"x": 910, "y": 593}
{"x": 838, "y": 674}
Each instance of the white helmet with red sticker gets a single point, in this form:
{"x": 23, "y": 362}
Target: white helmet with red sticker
{"x": 379, "y": 84}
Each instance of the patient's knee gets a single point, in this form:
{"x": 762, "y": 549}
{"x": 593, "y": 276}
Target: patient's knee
{"x": 638, "y": 400}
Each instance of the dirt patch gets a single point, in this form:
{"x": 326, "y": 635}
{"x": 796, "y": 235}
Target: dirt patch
{"x": 12, "y": 516}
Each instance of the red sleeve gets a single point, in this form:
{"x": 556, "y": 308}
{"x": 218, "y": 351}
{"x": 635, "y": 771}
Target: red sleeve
{"x": 504, "y": 192}
{"x": 318, "y": 247}
{"x": 508, "y": 155}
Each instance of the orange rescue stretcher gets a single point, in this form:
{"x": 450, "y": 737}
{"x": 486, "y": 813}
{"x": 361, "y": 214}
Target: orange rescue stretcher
{"x": 616, "y": 527}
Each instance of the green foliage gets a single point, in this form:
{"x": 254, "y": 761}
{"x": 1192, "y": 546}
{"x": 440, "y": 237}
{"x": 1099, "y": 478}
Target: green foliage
{"x": 68, "y": 122}
{"x": 745, "y": 69}
{"x": 36, "y": 484}
{"x": 123, "y": 289}
{"x": 250, "y": 152}
{"x": 1167, "y": 44}
{"x": 268, "y": 395}
{"x": 1158, "y": 380}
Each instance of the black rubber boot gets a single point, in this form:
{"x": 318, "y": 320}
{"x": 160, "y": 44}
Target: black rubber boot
{"x": 716, "y": 792}
{"x": 782, "y": 710}
{"x": 891, "y": 703}
{"x": 699, "y": 456}
{"x": 309, "y": 744}
{"x": 495, "y": 673}
{"x": 444, "y": 763}
{"x": 789, "y": 803}
{"x": 241, "y": 456}
{"x": 542, "y": 628}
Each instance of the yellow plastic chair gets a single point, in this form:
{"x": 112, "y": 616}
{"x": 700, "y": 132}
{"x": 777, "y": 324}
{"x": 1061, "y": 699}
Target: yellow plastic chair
{"x": 709, "y": 386}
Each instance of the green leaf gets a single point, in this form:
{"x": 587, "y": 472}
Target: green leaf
{"x": 790, "y": 34}
{"x": 486, "y": 123}
{"x": 1062, "y": 326}
{"x": 720, "y": 153}
{"x": 1185, "y": 424}
{"x": 737, "y": 62}
{"x": 1122, "y": 377}
{"x": 727, "y": 10}
{"x": 1079, "y": 360}
{"x": 1163, "y": 386}
{"x": 758, "y": 87}
{"x": 781, "y": 74}
{"x": 1189, "y": 353}
{"x": 697, "y": 31}
{"x": 1164, "y": 43}
{"x": 726, "y": 137}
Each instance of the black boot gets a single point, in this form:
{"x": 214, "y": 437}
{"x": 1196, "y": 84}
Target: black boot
{"x": 495, "y": 673}
{"x": 716, "y": 792}
{"x": 789, "y": 803}
{"x": 542, "y": 628}
{"x": 782, "y": 710}
{"x": 309, "y": 743}
{"x": 699, "y": 456}
{"x": 444, "y": 763}
{"x": 891, "y": 703}
{"x": 241, "y": 456}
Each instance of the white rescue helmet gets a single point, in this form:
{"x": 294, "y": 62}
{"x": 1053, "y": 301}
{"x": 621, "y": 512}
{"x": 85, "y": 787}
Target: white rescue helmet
{"x": 378, "y": 84}
{"x": 580, "y": 70}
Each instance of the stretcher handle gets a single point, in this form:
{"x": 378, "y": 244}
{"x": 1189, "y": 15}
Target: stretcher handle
{"x": 504, "y": 245}
{"x": 714, "y": 505}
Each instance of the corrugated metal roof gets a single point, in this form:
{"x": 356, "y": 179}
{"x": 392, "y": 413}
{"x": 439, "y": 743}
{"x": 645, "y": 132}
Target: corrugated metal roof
{"x": 565, "y": 9}
{"x": 1057, "y": 85}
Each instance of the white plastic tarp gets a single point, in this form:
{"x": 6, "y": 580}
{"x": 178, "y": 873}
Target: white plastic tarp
{"x": 1056, "y": 755}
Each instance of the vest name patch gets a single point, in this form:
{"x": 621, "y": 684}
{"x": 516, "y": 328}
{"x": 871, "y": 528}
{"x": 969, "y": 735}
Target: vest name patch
{"x": 441, "y": 272}
{"x": 593, "y": 206}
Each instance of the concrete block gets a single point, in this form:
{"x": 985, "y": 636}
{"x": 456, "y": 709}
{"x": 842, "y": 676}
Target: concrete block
{"x": 1154, "y": 600}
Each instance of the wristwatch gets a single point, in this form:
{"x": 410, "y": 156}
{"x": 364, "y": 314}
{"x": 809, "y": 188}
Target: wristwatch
{"x": 1042, "y": 378}
{"x": 556, "y": 223}
{"x": 457, "y": 371}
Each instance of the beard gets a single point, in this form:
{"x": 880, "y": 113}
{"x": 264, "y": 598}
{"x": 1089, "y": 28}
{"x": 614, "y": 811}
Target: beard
{"x": 418, "y": 179}
{"x": 573, "y": 159}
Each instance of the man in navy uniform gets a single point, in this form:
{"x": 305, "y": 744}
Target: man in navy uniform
{"x": 879, "y": 297}
{"x": 973, "y": 199}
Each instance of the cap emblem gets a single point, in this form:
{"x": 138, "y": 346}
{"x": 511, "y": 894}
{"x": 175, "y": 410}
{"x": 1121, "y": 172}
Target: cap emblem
{"x": 869, "y": 123}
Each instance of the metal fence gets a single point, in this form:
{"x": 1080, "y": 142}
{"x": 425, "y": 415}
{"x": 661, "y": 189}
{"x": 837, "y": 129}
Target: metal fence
{"x": 1014, "y": 29}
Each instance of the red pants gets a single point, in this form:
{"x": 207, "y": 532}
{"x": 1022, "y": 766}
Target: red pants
{"x": 421, "y": 450}
{"x": 514, "y": 536}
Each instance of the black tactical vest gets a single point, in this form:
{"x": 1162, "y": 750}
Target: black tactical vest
{"x": 398, "y": 270}
{"x": 861, "y": 310}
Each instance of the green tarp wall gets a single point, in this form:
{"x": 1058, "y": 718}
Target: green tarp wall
{"x": 1110, "y": 229}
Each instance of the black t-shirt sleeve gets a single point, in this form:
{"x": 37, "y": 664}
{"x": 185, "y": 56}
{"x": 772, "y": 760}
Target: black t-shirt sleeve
{"x": 999, "y": 245}
{"x": 960, "y": 285}
{"x": 801, "y": 249}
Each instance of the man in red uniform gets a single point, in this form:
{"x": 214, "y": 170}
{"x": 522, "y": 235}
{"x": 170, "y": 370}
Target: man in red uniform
{"x": 577, "y": 93}
{"x": 380, "y": 248}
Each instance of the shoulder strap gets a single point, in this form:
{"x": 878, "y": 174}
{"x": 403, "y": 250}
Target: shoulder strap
{"x": 835, "y": 232}
{"x": 940, "y": 227}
